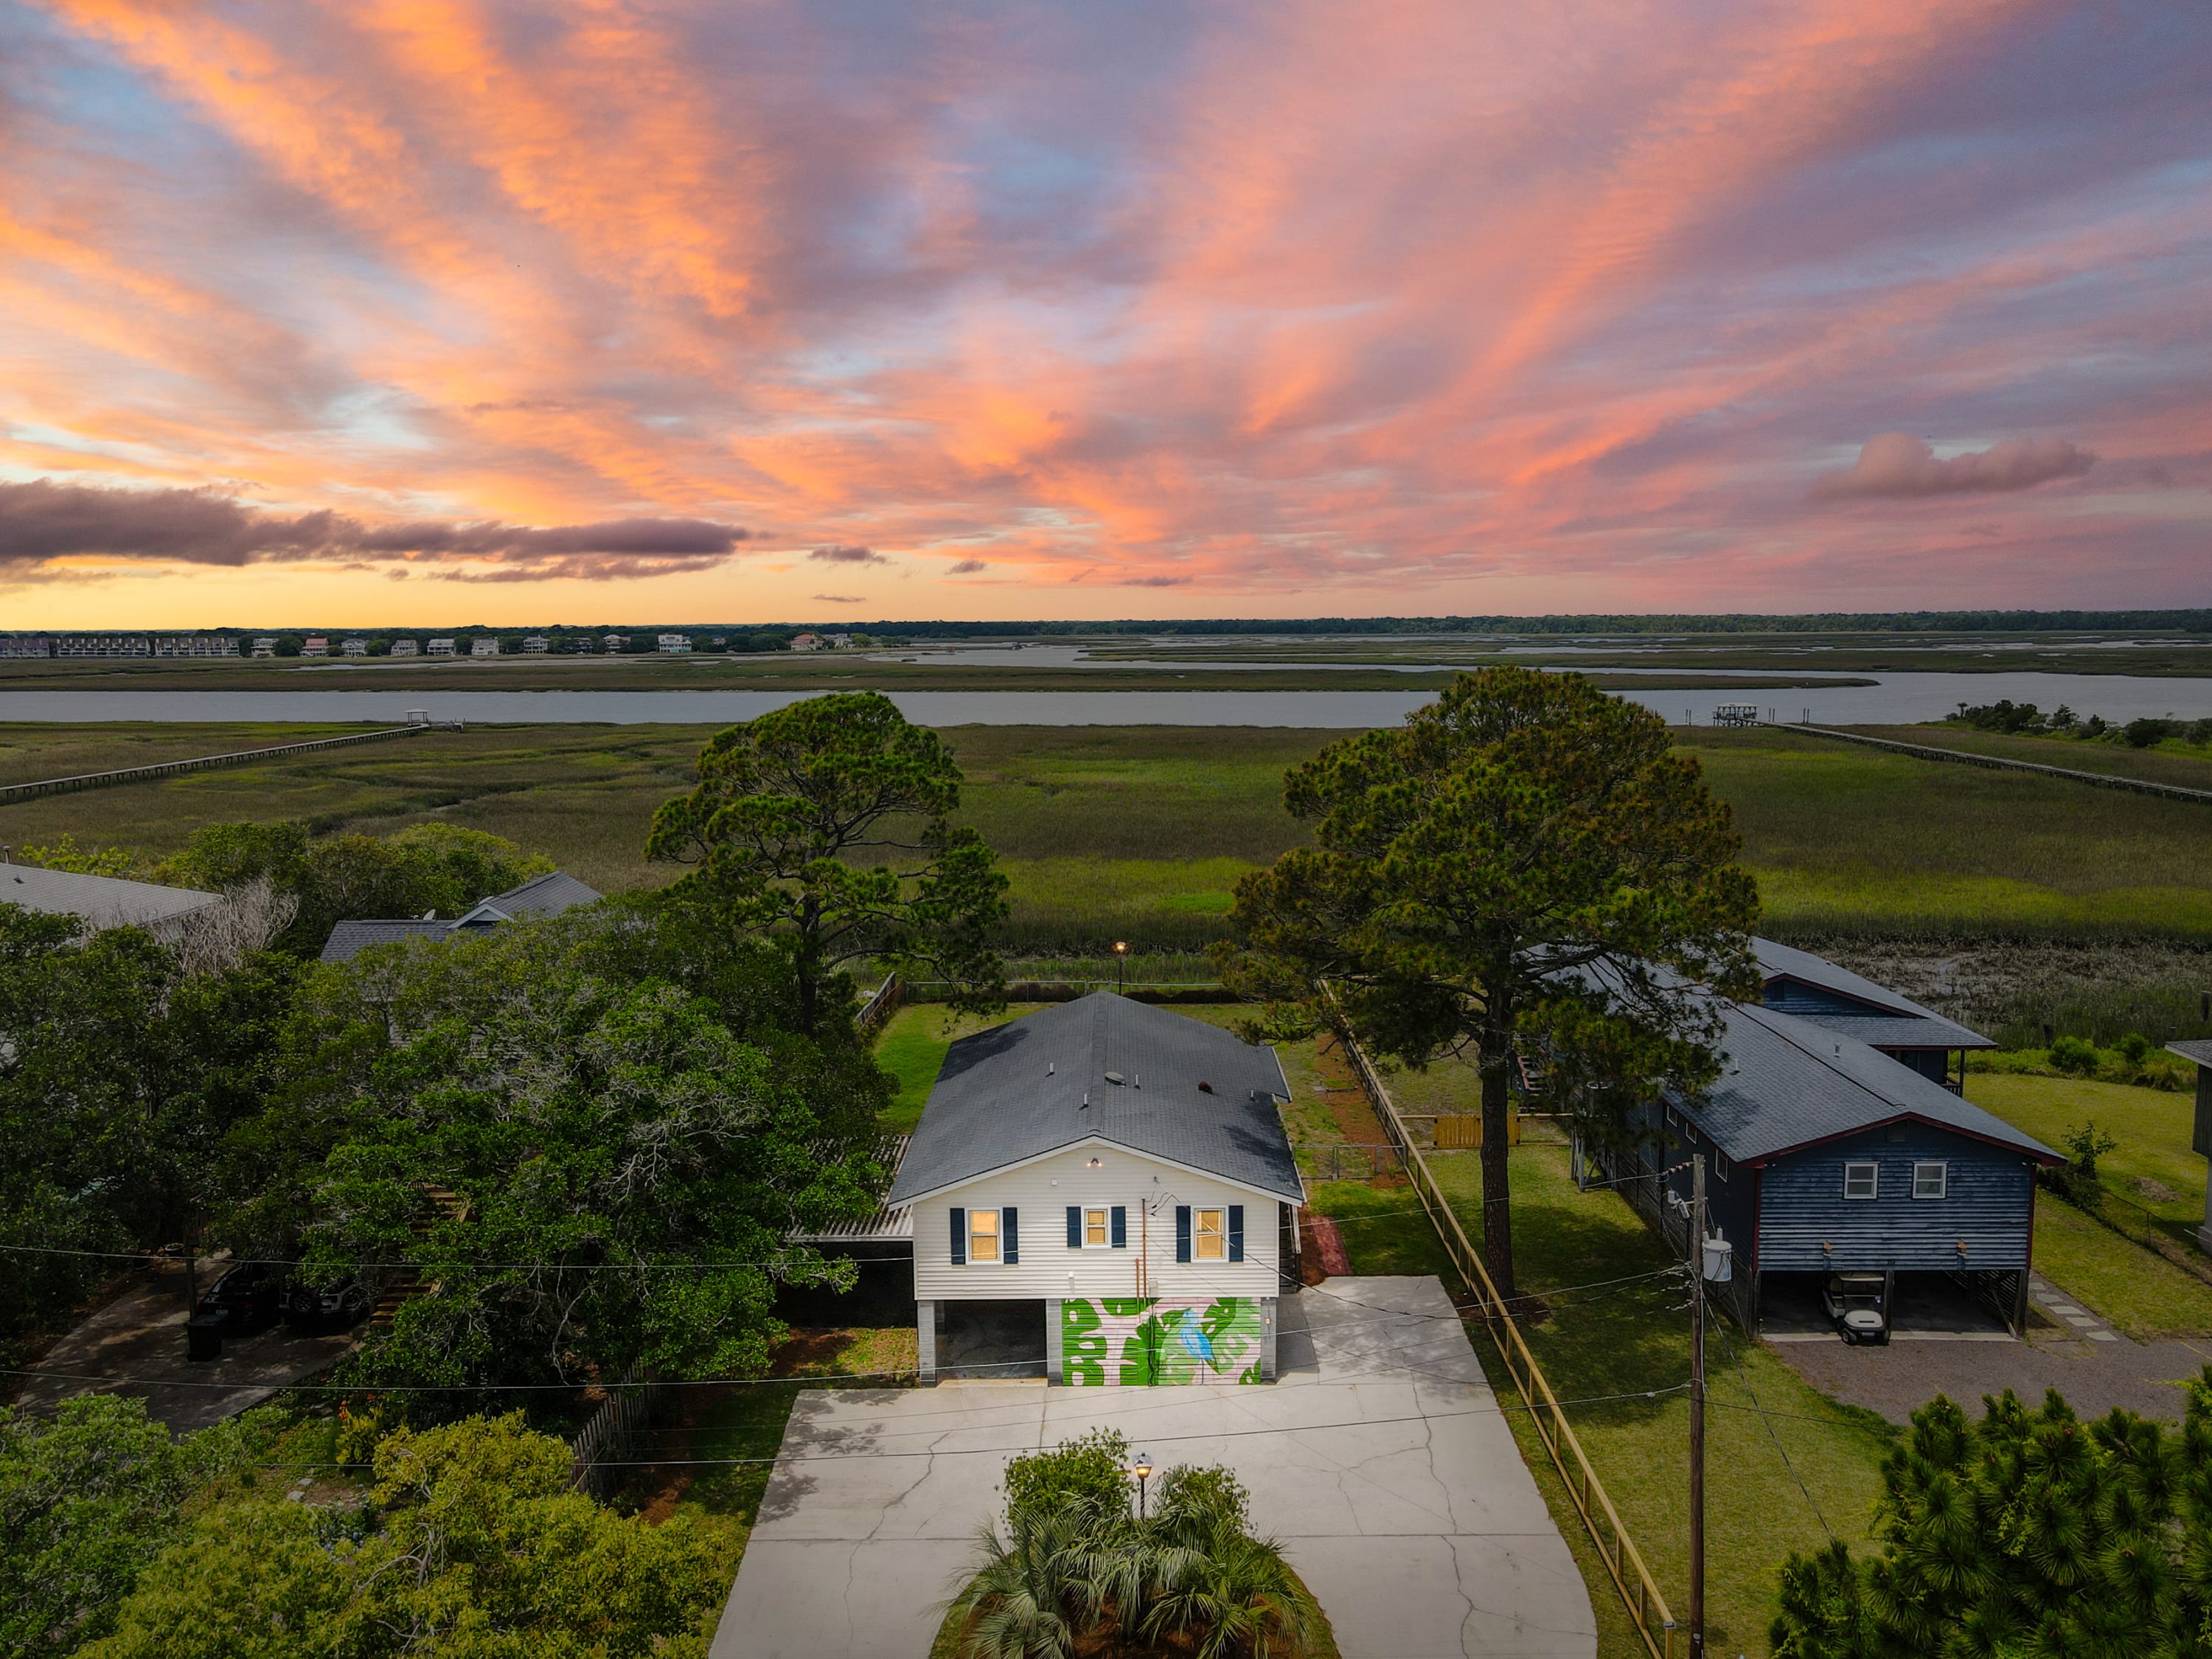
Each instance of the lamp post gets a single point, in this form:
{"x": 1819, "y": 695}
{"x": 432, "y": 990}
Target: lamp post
{"x": 1120, "y": 950}
{"x": 1143, "y": 1471}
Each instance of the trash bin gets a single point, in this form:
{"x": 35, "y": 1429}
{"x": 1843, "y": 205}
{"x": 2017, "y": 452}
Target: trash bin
{"x": 204, "y": 1337}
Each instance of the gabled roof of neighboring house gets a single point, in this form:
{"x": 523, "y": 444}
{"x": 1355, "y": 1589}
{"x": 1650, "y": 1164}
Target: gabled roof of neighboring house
{"x": 103, "y": 901}
{"x": 1789, "y": 1082}
{"x": 541, "y": 896}
{"x": 2196, "y": 1049}
{"x": 1016, "y": 1092}
{"x": 1872, "y": 1013}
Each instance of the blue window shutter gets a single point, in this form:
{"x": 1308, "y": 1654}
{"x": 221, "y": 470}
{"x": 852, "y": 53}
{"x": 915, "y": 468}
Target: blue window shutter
{"x": 1010, "y": 1233}
{"x": 1119, "y": 1217}
{"x": 1182, "y": 1232}
{"x": 1074, "y": 1226}
{"x": 959, "y": 1237}
{"x": 1236, "y": 1232}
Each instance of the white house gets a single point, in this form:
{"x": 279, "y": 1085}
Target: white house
{"x": 315, "y": 645}
{"x": 441, "y": 647}
{"x": 675, "y": 644}
{"x": 535, "y": 644}
{"x": 403, "y": 648}
{"x": 482, "y": 647}
{"x": 355, "y": 647}
{"x": 1123, "y": 1171}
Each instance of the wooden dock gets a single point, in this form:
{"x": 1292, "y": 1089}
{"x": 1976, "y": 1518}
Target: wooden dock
{"x": 1998, "y": 762}
{"x": 17, "y": 791}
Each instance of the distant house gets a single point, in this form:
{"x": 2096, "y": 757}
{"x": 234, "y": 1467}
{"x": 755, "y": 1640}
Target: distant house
{"x": 315, "y": 645}
{"x": 403, "y": 648}
{"x": 265, "y": 646}
{"x": 102, "y": 900}
{"x": 26, "y": 645}
{"x": 840, "y": 641}
{"x": 485, "y": 648}
{"x": 806, "y": 642}
{"x": 541, "y": 896}
{"x": 535, "y": 644}
{"x": 1829, "y": 1151}
{"x": 616, "y": 642}
{"x": 2200, "y": 1140}
{"x": 675, "y": 644}
{"x": 355, "y": 647}
{"x": 441, "y": 647}
{"x": 1836, "y": 999}
{"x": 1120, "y": 1173}
{"x": 195, "y": 645}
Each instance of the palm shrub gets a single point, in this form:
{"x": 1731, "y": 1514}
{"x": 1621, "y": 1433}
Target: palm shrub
{"x": 2029, "y": 1534}
{"x": 1073, "y": 1564}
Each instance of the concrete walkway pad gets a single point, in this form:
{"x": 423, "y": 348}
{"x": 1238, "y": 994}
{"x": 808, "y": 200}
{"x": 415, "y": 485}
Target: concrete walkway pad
{"x": 1381, "y": 1460}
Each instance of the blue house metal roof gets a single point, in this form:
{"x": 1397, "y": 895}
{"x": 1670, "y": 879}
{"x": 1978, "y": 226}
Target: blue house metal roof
{"x": 1853, "y": 1007}
{"x": 1103, "y": 1067}
{"x": 1789, "y": 1082}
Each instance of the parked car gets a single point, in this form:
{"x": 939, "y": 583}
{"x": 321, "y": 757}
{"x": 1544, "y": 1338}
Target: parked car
{"x": 343, "y": 1303}
{"x": 1855, "y": 1301}
{"x": 247, "y": 1298}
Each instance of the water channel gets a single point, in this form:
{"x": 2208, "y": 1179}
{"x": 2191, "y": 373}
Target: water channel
{"x": 1895, "y": 699}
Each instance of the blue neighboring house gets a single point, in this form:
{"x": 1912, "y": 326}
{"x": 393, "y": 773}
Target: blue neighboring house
{"x": 1836, "y": 1141}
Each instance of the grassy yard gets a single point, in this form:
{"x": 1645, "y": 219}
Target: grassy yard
{"x": 2153, "y": 1165}
{"x": 1625, "y": 1340}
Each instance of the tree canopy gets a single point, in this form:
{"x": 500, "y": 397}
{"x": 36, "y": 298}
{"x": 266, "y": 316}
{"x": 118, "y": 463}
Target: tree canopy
{"x": 786, "y": 808}
{"x": 590, "y": 1168}
{"x": 1525, "y": 858}
{"x": 2029, "y": 1534}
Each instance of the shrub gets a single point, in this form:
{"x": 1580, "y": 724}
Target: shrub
{"x": 2134, "y": 1047}
{"x": 2146, "y": 734}
{"x": 2074, "y": 1055}
{"x": 1092, "y": 1468}
{"x": 2077, "y": 1180}
{"x": 1209, "y": 1491}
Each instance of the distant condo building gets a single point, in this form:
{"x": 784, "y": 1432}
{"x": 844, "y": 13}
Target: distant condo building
{"x": 195, "y": 645}
{"x": 403, "y": 647}
{"x": 484, "y": 647}
{"x": 26, "y": 645}
{"x": 103, "y": 644}
{"x": 441, "y": 647}
{"x": 315, "y": 645}
{"x": 675, "y": 644}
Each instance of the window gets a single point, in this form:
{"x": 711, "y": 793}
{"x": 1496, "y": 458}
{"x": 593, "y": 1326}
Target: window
{"x": 1720, "y": 1163}
{"x": 1929, "y": 1180}
{"x": 983, "y": 1236}
{"x": 1094, "y": 1229}
{"x": 1210, "y": 1245}
{"x": 1861, "y": 1179}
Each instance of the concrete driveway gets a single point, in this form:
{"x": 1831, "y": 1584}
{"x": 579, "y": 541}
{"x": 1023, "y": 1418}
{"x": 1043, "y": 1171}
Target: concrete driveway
{"x": 1381, "y": 1460}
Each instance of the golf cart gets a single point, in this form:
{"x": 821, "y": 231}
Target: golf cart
{"x": 1857, "y": 1302}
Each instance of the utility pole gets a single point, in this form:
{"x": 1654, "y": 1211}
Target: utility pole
{"x": 1698, "y": 1407}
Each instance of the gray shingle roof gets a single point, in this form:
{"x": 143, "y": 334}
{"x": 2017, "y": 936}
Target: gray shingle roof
{"x": 2195, "y": 1049}
{"x": 103, "y": 901}
{"x": 1788, "y": 1082}
{"x": 1889, "y": 1020}
{"x": 1016, "y": 1092}
{"x": 541, "y": 896}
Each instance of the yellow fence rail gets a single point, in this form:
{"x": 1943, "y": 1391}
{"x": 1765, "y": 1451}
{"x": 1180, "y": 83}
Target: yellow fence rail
{"x": 1647, "y": 1608}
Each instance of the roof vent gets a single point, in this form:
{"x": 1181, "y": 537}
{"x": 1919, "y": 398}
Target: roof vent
{"x": 1114, "y": 1076}
{"x": 1206, "y": 1088}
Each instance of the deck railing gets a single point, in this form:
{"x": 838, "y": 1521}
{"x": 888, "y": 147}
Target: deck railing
{"x": 1647, "y": 1607}
{"x": 13, "y": 791}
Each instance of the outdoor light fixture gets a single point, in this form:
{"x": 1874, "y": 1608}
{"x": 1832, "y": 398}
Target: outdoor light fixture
{"x": 1143, "y": 1471}
{"x": 1120, "y": 950}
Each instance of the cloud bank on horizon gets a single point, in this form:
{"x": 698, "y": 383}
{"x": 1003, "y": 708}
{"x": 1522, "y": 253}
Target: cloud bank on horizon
{"x": 1245, "y": 309}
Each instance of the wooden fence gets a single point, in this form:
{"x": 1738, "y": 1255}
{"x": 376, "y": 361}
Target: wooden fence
{"x": 16, "y": 792}
{"x": 2003, "y": 764}
{"x": 610, "y": 1432}
{"x": 1647, "y": 1608}
{"x": 880, "y": 1007}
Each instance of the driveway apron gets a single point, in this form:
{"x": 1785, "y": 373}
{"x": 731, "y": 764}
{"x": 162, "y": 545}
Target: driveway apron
{"x": 1381, "y": 1460}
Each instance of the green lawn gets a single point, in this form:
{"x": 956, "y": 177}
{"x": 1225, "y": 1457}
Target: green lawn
{"x": 2153, "y": 1166}
{"x": 1628, "y": 1339}
{"x": 2141, "y": 1292}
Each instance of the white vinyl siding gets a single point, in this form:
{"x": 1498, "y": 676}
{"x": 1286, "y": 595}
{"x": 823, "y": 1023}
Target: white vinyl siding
{"x": 1043, "y": 1193}
{"x": 1861, "y": 1179}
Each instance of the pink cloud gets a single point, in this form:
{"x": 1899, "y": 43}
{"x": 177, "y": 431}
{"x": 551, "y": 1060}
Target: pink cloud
{"x": 1898, "y": 464}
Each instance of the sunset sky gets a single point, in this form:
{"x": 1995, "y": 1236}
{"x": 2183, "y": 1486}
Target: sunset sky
{"x": 431, "y": 311}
